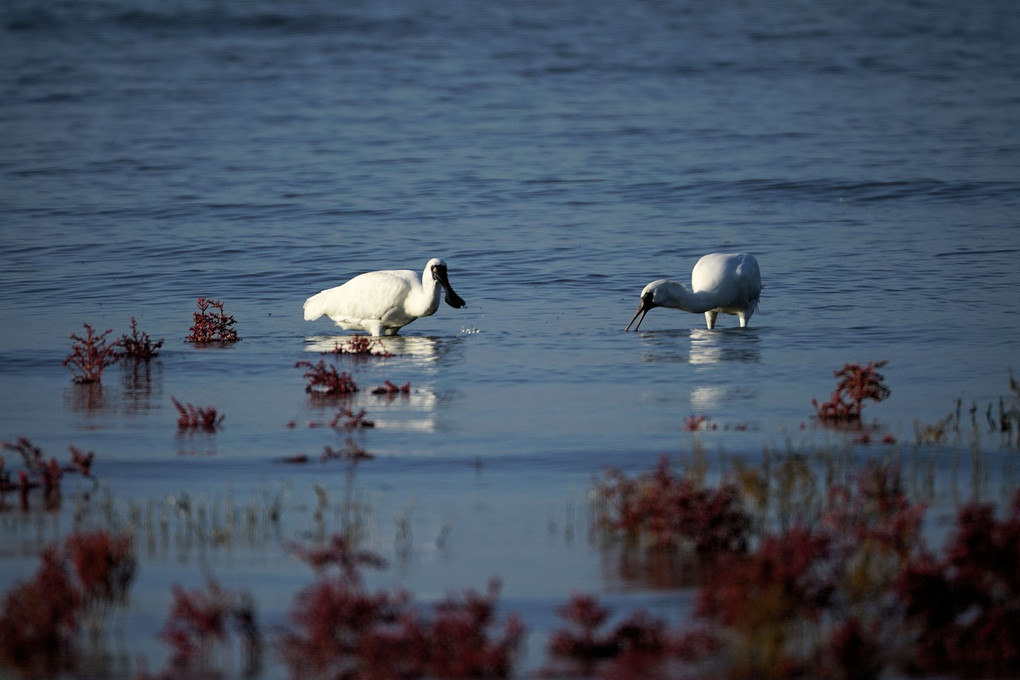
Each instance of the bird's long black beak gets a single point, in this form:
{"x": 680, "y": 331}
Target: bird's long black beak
{"x": 643, "y": 307}
{"x": 452, "y": 299}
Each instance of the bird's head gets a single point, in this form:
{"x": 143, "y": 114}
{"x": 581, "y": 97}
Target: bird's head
{"x": 646, "y": 303}
{"x": 438, "y": 270}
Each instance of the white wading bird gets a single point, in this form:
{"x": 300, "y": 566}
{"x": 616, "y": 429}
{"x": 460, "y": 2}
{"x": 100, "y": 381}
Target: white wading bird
{"x": 720, "y": 282}
{"x": 383, "y": 302}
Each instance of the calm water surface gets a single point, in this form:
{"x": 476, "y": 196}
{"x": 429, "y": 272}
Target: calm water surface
{"x": 559, "y": 156}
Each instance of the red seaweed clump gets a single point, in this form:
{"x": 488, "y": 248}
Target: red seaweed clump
{"x": 41, "y": 619}
{"x": 199, "y": 622}
{"x": 821, "y": 600}
{"x": 90, "y": 355}
{"x": 390, "y": 389}
{"x": 326, "y": 380}
{"x": 361, "y": 346}
{"x": 192, "y": 417}
{"x": 351, "y": 452}
{"x": 855, "y": 593}
{"x": 856, "y": 384}
{"x": 40, "y": 472}
{"x": 346, "y": 419}
{"x": 964, "y": 607}
{"x": 339, "y": 630}
{"x": 670, "y": 510}
{"x": 138, "y": 345}
{"x": 212, "y": 324}
{"x": 638, "y": 646}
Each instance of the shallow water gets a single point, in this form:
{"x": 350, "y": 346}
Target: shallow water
{"x": 559, "y": 156}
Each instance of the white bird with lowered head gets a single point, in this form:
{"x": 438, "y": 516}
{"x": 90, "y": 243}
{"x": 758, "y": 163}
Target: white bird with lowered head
{"x": 721, "y": 282}
{"x": 383, "y": 302}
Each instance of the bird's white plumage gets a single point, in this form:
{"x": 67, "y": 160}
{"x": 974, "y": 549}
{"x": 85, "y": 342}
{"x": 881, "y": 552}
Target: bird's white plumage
{"x": 729, "y": 283}
{"x": 383, "y": 302}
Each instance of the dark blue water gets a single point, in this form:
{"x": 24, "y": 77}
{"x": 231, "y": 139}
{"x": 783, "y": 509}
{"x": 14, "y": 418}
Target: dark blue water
{"x": 559, "y": 156}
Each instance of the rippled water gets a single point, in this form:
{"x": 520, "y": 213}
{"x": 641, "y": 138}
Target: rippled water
{"x": 559, "y": 156}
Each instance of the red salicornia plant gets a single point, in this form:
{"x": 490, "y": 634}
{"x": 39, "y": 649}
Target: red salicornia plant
{"x": 90, "y": 355}
{"x": 964, "y": 607}
{"x": 212, "y": 324}
{"x": 40, "y": 472}
{"x": 856, "y": 384}
{"x": 199, "y": 621}
{"x": 667, "y": 509}
{"x": 351, "y": 452}
{"x": 819, "y": 600}
{"x": 197, "y": 418}
{"x": 104, "y": 564}
{"x": 637, "y": 647}
{"x": 339, "y": 552}
{"x": 852, "y": 593}
{"x": 31, "y": 454}
{"x": 40, "y": 619}
{"x": 338, "y": 630}
{"x": 361, "y": 346}
{"x": 82, "y": 461}
{"x": 348, "y": 420}
{"x": 138, "y": 345}
{"x": 326, "y": 380}
{"x": 695, "y": 423}
{"x": 390, "y": 389}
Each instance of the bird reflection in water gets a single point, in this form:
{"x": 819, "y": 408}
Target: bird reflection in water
{"x": 400, "y": 359}
{"x": 713, "y": 347}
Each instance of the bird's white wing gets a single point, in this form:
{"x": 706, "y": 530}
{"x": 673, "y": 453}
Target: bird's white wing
{"x": 373, "y": 295}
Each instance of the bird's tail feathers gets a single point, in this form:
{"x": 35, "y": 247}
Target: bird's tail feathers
{"x": 314, "y": 307}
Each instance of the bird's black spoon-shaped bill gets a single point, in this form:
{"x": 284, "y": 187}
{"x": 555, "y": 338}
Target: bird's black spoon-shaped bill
{"x": 452, "y": 299}
{"x": 642, "y": 310}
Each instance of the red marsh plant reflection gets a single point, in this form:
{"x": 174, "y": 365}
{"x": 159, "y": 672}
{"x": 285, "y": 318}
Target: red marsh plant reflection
{"x": 360, "y": 346}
